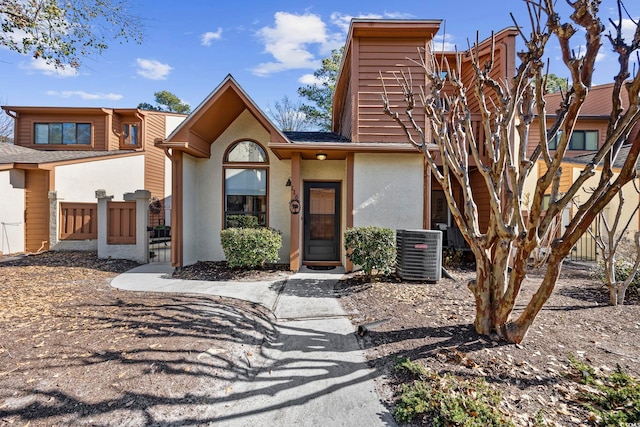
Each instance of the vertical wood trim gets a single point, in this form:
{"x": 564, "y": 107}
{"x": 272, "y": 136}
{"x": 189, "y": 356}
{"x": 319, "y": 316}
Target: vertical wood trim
{"x": 355, "y": 89}
{"x": 177, "y": 167}
{"x": 37, "y": 219}
{"x": 295, "y": 223}
{"x": 349, "y": 219}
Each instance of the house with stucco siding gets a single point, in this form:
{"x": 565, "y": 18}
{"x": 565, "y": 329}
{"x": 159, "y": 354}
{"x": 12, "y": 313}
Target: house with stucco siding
{"x": 61, "y": 156}
{"x": 227, "y": 158}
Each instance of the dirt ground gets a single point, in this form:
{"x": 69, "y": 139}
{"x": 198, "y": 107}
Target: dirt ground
{"x": 74, "y": 351}
{"x": 432, "y": 323}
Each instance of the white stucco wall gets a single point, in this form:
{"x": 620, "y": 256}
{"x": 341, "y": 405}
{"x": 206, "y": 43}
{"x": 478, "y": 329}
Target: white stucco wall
{"x": 207, "y": 182}
{"x": 388, "y": 191}
{"x": 167, "y": 190}
{"x": 12, "y": 184}
{"x": 78, "y": 182}
{"x": 171, "y": 123}
{"x": 191, "y": 212}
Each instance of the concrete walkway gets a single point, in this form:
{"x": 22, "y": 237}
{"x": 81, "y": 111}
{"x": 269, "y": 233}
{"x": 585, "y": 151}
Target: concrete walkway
{"x": 315, "y": 374}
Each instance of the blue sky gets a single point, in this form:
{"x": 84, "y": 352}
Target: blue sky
{"x": 270, "y": 47}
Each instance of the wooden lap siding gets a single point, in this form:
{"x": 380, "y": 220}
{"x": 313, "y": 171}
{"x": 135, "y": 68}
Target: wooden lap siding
{"x": 36, "y": 217}
{"x": 78, "y": 221}
{"x": 121, "y": 223}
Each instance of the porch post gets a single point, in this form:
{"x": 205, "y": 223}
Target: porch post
{"x": 349, "y": 219}
{"x": 294, "y": 239}
{"x": 176, "y": 207}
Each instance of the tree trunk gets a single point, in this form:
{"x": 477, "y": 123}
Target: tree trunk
{"x": 516, "y": 331}
{"x": 622, "y": 293}
{"x": 488, "y": 289}
{"x": 481, "y": 292}
{"x": 613, "y": 294}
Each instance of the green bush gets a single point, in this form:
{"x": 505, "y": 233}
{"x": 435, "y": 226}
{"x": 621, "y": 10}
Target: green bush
{"x": 250, "y": 247}
{"x": 447, "y": 400}
{"x": 616, "y": 398}
{"x": 242, "y": 221}
{"x": 372, "y": 248}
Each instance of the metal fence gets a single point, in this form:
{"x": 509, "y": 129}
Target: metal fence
{"x": 159, "y": 233}
{"x": 586, "y": 249}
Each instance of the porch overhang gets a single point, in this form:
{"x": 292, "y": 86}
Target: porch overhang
{"x": 340, "y": 150}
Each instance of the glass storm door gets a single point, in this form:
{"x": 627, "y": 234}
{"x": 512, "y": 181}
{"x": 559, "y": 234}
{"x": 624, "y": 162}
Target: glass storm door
{"x": 322, "y": 221}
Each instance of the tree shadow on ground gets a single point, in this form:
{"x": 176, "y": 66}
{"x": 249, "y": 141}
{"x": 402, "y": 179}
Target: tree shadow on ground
{"x": 71, "y": 259}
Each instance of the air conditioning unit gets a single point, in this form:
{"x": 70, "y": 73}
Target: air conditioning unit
{"x": 419, "y": 254}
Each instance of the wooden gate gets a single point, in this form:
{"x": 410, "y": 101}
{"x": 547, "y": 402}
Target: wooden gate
{"x": 121, "y": 223}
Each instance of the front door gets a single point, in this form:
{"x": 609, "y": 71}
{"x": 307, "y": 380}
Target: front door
{"x": 322, "y": 221}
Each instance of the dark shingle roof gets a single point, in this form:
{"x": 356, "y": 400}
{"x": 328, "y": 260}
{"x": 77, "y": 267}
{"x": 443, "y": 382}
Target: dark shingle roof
{"x": 10, "y": 153}
{"x": 315, "y": 137}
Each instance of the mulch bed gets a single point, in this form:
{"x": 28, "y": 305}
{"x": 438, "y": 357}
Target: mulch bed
{"x": 73, "y": 350}
{"x": 432, "y": 323}
{"x": 220, "y": 271}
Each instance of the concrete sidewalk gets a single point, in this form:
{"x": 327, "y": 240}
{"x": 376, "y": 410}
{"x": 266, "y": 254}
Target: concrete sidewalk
{"x": 316, "y": 374}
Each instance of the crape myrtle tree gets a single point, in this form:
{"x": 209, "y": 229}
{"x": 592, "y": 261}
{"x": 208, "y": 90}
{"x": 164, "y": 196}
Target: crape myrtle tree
{"x": 507, "y": 110}
{"x": 63, "y": 33}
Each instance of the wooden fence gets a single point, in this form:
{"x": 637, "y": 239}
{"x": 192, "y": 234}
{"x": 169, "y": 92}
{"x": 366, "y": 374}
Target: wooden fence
{"x": 78, "y": 221}
{"x": 121, "y": 223}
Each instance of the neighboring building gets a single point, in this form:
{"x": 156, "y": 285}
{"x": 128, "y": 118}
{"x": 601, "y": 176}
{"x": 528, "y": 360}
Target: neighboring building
{"x": 228, "y": 158}
{"x": 591, "y": 127}
{"x": 61, "y": 156}
{"x": 588, "y": 136}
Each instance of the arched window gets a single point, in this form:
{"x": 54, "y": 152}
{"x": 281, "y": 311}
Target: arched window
{"x": 245, "y": 183}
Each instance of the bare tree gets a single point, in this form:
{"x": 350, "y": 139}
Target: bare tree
{"x": 6, "y": 126}
{"x": 288, "y": 115}
{"x": 609, "y": 243}
{"x": 499, "y": 150}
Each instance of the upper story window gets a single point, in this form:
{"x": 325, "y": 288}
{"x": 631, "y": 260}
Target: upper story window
{"x": 245, "y": 182}
{"x": 585, "y": 140}
{"x": 246, "y": 152}
{"x": 63, "y": 133}
{"x": 131, "y": 135}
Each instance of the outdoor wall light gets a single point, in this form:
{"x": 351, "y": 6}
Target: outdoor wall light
{"x": 321, "y": 156}
{"x": 288, "y": 184}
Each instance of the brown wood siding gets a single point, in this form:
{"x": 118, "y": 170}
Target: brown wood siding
{"x": 482, "y": 199}
{"x": 115, "y": 122}
{"x": 25, "y": 125}
{"x": 154, "y": 160}
{"x": 386, "y": 56}
{"x": 78, "y": 221}
{"x": 599, "y": 125}
{"x": 36, "y": 210}
{"x": 121, "y": 223}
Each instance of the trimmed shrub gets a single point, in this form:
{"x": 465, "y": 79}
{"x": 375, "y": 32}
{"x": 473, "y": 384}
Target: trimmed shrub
{"x": 242, "y": 221}
{"x": 250, "y": 247}
{"x": 372, "y": 248}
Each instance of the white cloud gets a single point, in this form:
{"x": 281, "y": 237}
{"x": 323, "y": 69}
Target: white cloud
{"x": 41, "y": 66}
{"x": 443, "y": 42}
{"x": 343, "y": 21}
{"x": 309, "y": 79}
{"x": 206, "y": 38}
{"x": 85, "y": 95}
{"x": 152, "y": 69}
{"x": 289, "y": 40}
